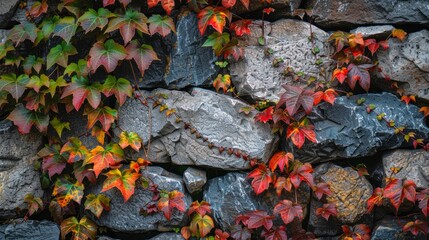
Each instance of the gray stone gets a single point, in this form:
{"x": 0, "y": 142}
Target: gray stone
{"x": 106, "y": 238}
{"x": 377, "y": 32}
{"x": 388, "y": 228}
{"x": 408, "y": 63}
{"x": 17, "y": 175}
{"x": 283, "y": 8}
{"x": 333, "y": 13}
{"x": 125, "y": 217}
{"x": 30, "y": 230}
{"x": 214, "y": 116}
{"x": 255, "y": 75}
{"x": 168, "y": 236}
{"x": 319, "y": 225}
{"x": 232, "y": 195}
{"x": 194, "y": 179}
{"x": 414, "y": 165}
{"x": 346, "y": 130}
{"x": 7, "y": 9}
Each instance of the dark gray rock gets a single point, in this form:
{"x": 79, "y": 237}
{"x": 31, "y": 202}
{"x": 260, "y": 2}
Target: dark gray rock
{"x": 284, "y": 8}
{"x": 377, "y": 32}
{"x": 414, "y": 165}
{"x": 194, "y": 179}
{"x": 168, "y": 236}
{"x": 408, "y": 63}
{"x": 388, "y": 228}
{"x": 333, "y": 13}
{"x": 318, "y": 225}
{"x": 232, "y": 195}
{"x": 214, "y": 116}
{"x": 7, "y": 9}
{"x": 125, "y": 217}
{"x": 346, "y": 130}
{"x": 106, "y": 238}
{"x": 17, "y": 175}
{"x": 30, "y": 230}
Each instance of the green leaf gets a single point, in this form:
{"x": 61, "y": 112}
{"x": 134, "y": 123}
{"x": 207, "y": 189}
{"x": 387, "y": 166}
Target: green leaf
{"x": 5, "y": 48}
{"x": 81, "y": 89}
{"x": 162, "y": 25}
{"x": 60, "y": 54}
{"x": 261, "y": 41}
{"x": 37, "y": 82}
{"x": 84, "y": 229}
{"x": 97, "y": 203}
{"x": 14, "y": 85}
{"x": 121, "y": 88}
{"x": 128, "y": 23}
{"x": 92, "y": 19}
{"x": 48, "y": 26}
{"x": 65, "y": 28}
{"x": 67, "y": 189}
{"x": 24, "y": 119}
{"x": 217, "y": 40}
{"x": 54, "y": 84}
{"x": 59, "y": 126}
{"x": 32, "y": 62}
{"x": 143, "y": 55}
{"x": 107, "y": 54}
{"x": 23, "y": 31}
{"x": 80, "y": 68}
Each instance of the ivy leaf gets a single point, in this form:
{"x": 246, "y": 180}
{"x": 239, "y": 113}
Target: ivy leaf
{"x": 121, "y": 88}
{"x": 298, "y": 132}
{"x": 239, "y": 232}
{"x": 265, "y": 115}
{"x": 97, "y": 203}
{"x": 328, "y": 95}
{"x": 220, "y": 235}
{"x": 75, "y": 149}
{"x": 281, "y": 184}
{"x": 34, "y": 203}
{"x": 375, "y": 200}
{"x": 241, "y": 27}
{"x": 23, "y": 31}
{"x": 201, "y": 208}
{"x": 143, "y": 55}
{"x": 295, "y": 97}
{"x": 416, "y": 227}
{"x": 59, "y": 126}
{"x": 98, "y": 133}
{"x": 106, "y": 54}
{"x": 320, "y": 189}
{"x": 327, "y": 210}
{"x": 340, "y": 74}
{"x": 38, "y": 8}
{"x": 423, "y": 198}
{"x": 246, "y": 3}
{"x": 201, "y": 224}
{"x": 280, "y": 160}
{"x": 128, "y": 23}
{"x": 53, "y": 162}
{"x": 54, "y": 84}
{"x": 359, "y": 73}
{"x": 81, "y": 89}
{"x": 216, "y": 41}
{"x": 131, "y": 139}
{"x": 32, "y": 62}
{"x": 81, "y": 230}
{"x": 228, "y": 3}
{"x": 162, "y": 25}
{"x": 104, "y": 158}
{"x": 105, "y": 115}
{"x": 233, "y": 49}
{"x": 25, "y": 119}
{"x": 258, "y": 219}
{"x": 167, "y": 5}
{"x": 372, "y": 45}
{"x": 66, "y": 189}
{"x": 60, "y": 54}
{"x": 92, "y": 19}
{"x": 302, "y": 172}
{"x": 360, "y": 231}
{"x": 5, "y": 47}
{"x": 215, "y": 17}
{"x": 37, "y": 82}
{"x": 399, "y": 33}
{"x": 34, "y": 100}
{"x": 222, "y": 81}
{"x": 80, "y": 68}
{"x": 82, "y": 171}
{"x": 397, "y": 190}
{"x": 48, "y": 26}
{"x": 288, "y": 211}
{"x": 14, "y": 85}
{"x": 124, "y": 181}
{"x": 277, "y": 233}
{"x": 108, "y": 2}
{"x": 3, "y": 99}
{"x": 65, "y": 28}
{"x": 168, "y": 202}
{"x": 261, "y": 179}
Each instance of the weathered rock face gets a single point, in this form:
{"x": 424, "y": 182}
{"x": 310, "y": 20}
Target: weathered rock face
{"x": 232, "y": 195}
{"x": 168, "y": 236}
{"x": 7, "y": 9}
{"x": 388, "y": 228}
{"x": 346, "y": 130}
{"x": 255, "y": 75}
{"x": 125, "y": 217}
{"x": 194, "y": 179}
{"x": 414, "y": 165}
{"x": 378, "y": 32}
{"x": 333, "y": 13}
{"x": 34, "y": 230}
{"x": 17, "y": 175}
{"x": 213, "y": 115}
{"x": 408, "y": 63}
{"x": 284, "y": 8}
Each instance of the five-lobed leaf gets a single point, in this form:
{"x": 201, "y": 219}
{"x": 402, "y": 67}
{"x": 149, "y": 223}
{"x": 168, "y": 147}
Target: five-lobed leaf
{"x": 106, "y": 54}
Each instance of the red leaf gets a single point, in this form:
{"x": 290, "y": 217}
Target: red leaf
{"x": 294, "y": 97}
{"x": 275, "y": 234}
{"x": 261, "y": 179}
{"x": 288, "y": 211}
{"x": 358, "y": 232}
{"x": 265, "y": 115}
{"x": 281, "y": 115}
{"x": 416, "y": 227}
{"x": 228, "y": 3}
{"x": 201, "y": 208}
{"x": 108, "y": 2}
{"x": 81, "y": 89}
{"x": 384, "y": 44}
{"x": 143, "y": 55}
{"x": 258, "y": 219}
{"x": 169, "y": 202}
{"x": 127, "y": 24}
{"x": 327, "y": 210}
{"x": 220, "y": 235}
{"x": 105, "y": 115}
{"x": 280, "y": 160}
{"x": 423, "y": 198}
{"x": 397, "y": 190}
{"x": 409, "y": 98}
{"x": 38, "y": 8}
{"x": 302, "y": 173}
{"x": 358, "y": 73}
{"x": 372, "y": 45}
{"x": 298, "y": 132}
{"x": 322, "y": 188}
{"x": 25, "y": 119}
{"x": 239, "y": 232}
{"x": 375, "y": 200}
{"x": 328, "y": 95}
{"x": 283, "y": 183}
{"x": 241, "y": 27}
{"x": 215, "y": 17}
{"x": 103, "y": 158}
{"x": 340, "y": 74}
{"x": 268, "y": 10}
{"x": 245, "y": 3}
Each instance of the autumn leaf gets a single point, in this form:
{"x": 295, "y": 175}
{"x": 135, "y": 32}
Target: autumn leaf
{"x": 201, "y": 208}
{"x": 82, "y": 171}
{"x": 65, "y": 28}
{"x": 233, "y": 49}
{"x": 399, "y": 33}
{"x": 265, "y": 115}
{"x": 105, "y": 115}
{"x": 170, "y": 201}
{"x": 358, "y": 232}
{"x": 201, "y": 225}
{"x": 143, "y": 55}
{"x": 375, "y": 200}
{"x": 34, "y": 204}
{"x": 340, "y": 38}
{"x": 372, "y": 45}
{"x": 215, "y": 17}
{"x": 106, "y": 54}
{"x": 108, "y": 2}
{"x": 288, "y": 211}
{"x": 298, "y": 132}
{"x": 281, "y": 115}
{"x": 397, "y": 190}
{"x": 220, "y": 235}
{"x": 167, "y": 5}
{"x": 37, "y": 82}
{"x": 139, "y": 164}
{"x": 281, "y": 184}
{"x": 409, "y": 98}
{"x": 75, "y": 149}
{"x": 66, "y": 189}
{"x": 24, "y": 119}
{"x": 13, "y": 84}
{"x": 131, "y": 139}
{"x": 320, "y": 189}
{"x": 81, "y": 89}
{"x": 53, "y": 161}
{"x": 60, "y": 54}
{"x": 239, "y": 232}
{"x": 280, "y": 160}
{"x": 355, "y": 39}
{"x": 222, "y": 81}
{"x": 32, "y": 62}
{"x": 124, "y": 181}
{"x": 241, "y": 27}
{"x": 97, "y": 203}
{"x": 268, "y": 10}
{"x": 59, "y": 126}
{"x": 416, "y": 227}
{"x": 302, "y": 172}
{"x": 295, "y": 97}
{"x": 327, "y": 210}
{"x": 185, "y": 232}
{"x": 162, "y": 25}
{"x": 261, "y": 179}
{"x": 5, "y": 47}
{"x": 258, "y": 219}
{"x": 81, "y": 230}
{"x": 120, "y": 87}
{"x": 38, "y": 9}
{"x": 359, "y": 73}
{"x": 128, "y": 24}
{"x": 217, "y": 41}
{"x": 103, "y": 158}
{"x": 328, "y": 95}
{"x": 423, "y": 198}
{"x": 92, "y": 19}
{"x": 80, "y": 68}
{"x": 425, "y": 111}
{"x": 22, "y": 32}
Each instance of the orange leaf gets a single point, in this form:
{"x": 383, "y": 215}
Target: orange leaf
{"x": 265, "y": 115}
{"x": 261, "y": 179}
{"x": 169, "y": 202}
{"x": 298, "y": 132}
{"x": 124, "y": 181}
{"x": 425, "y": 111}
{"x": 399, "y": 33}
{"x": 280, "y": 160}
{"x": 215, "y": 17}
{"x": 104, "y": 158}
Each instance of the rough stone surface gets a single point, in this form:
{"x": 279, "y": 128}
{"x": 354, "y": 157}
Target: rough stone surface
{"x": 284, "y": 8}
{"x": 408, "y": 63}
{"x": 349, "y": 190}
{"x": 346, "y": 130}
{"x": 377, "y": 32}
{"x": 105, "y": 238}
{"x": 168, "y": 236}
{"x": 17, "y": 175}
{"x": 333, "y": 13}
{"x": 194, "y": 179}
{"x": 318, "y": 225}
{"x": 388, "y": 228}
{"x": 30, "y": 230}
{"x": 232, "y": 194}
{"x": 125, "y": 217}
{"x": 7, "y": 9}
{"x": 255, "y": 75}
{"x": 213, "y": 115}
{"x": 414, "y": 165}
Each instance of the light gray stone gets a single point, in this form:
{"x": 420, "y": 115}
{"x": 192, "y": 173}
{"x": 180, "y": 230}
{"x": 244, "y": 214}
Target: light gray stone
{"x": 414, "y": 165}
{"x": 194, "y": 179}
{"x": 168, "y": 236}
{"x": 17, "y": 175}
{"x": 7, "y": 9}
{"x": 30, "y": 230}
{"x": 215, "y": 116}
{"x": 125, "y": 217}
{"x": 408, "y": 63}
{"x": 255, "y": 75}
{"x": 379, "y": 32}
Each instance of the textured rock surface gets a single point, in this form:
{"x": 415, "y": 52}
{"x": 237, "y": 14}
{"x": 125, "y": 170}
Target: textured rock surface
{"x": 125, "y": 217}
{"x": 30, "y": 230}
{"x": 214, "y": 116}
{"x": 255, "y": 75}
{"x": 284, "y": 8}
{"x": 168, "y": 236}
{"x": 7, "y": 9}
{"x": 333, "y": 13}
{"x": 349, "y": 190}
{"x": 17, "y": 175}
{"x": 318, "y": 225}
{"x": 194, "y": 179}
{"x": 378, "y": 32}
{"x": 414, "y": 165}
{"x": 346, "y": 130}
{"x": 232, "y": 194}
{"x": 388, "y": 228}
{"x": 408, "y": 63}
